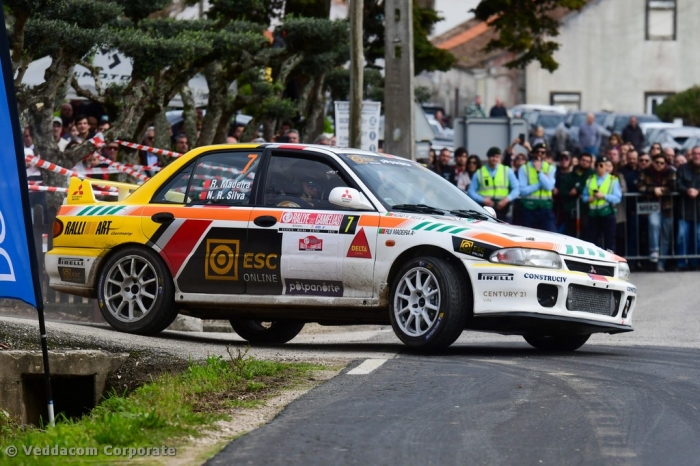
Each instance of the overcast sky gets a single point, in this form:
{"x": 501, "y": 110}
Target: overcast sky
{"x": 454, "y": 12}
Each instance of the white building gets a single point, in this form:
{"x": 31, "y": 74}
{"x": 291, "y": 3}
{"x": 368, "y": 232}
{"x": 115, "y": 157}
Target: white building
{"x": 617, "y": 55}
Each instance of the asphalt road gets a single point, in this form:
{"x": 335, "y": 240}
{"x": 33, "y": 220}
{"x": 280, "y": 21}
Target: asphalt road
{"x": 623, "y": 399}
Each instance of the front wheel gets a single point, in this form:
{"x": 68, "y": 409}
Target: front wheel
{"x": 136, "y": 293}
{"x": 430, "y": 303}
{"x": 257, "y": 332}
{"x": 558, "y": 343}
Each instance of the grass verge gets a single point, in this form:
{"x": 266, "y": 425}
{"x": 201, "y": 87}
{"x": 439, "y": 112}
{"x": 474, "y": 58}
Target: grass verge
{"x": 154, "y": 415}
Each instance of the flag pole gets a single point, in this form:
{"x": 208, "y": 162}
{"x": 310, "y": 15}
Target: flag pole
{"x": 24, "y": 196}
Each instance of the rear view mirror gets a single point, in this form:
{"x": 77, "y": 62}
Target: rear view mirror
{"x": 349, "y": 198}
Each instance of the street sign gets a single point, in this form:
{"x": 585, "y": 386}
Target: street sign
{"x": 370, "y": 124}
{"x": 646, "y": 208}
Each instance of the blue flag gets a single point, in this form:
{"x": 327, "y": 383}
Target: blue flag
{"x": 18, "y": 264}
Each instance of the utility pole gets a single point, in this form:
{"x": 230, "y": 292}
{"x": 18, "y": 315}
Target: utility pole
{"x": 357, "y": 65}
{"x": 399, "y": 113}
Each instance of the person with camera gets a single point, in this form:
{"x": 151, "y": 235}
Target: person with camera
{"x": 536, "y": 179}
{"x": 602, "y": 194}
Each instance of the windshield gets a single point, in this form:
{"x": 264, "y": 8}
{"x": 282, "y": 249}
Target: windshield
{"x": 397, "y": 181}
{"x": 578, "y": 119}
{"x": 550, "y": 121}
{"x": 599, "y": 118}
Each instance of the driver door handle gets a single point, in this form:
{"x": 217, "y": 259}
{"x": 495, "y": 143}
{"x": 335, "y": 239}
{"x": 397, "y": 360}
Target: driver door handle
{"x": 163, "y": 217}
{"x": 265, "y": 221}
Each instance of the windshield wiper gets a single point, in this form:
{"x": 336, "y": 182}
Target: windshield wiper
{"x": 470, "y": 213}
{"x": 420, "y": 208}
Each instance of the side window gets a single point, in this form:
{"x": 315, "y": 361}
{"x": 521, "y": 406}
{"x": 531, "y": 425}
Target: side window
{"x": 224, "y": 178}
{"x": 173, "y": 192}
{"x": 294, "y": 182}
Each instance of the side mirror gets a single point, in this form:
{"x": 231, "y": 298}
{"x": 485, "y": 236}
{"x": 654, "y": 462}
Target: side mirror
{"x": 490, "y": 211}
{"x": 349, "y": 198}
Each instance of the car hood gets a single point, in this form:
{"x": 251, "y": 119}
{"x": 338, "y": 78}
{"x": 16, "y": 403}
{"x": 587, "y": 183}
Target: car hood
{"x": 502, "y": 235}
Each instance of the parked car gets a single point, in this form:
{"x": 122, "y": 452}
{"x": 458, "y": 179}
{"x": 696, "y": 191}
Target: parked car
{"x": 675, "y": 137}
{"x": 616, "y": 122}
{"x": 272, "y": 236}
{"x": 548, "y": 121}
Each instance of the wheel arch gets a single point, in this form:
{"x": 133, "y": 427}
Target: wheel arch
{"x": 427, "y": 250}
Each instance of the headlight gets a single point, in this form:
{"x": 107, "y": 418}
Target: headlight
{"x": 623, "y": 271}
{"x": 527, "y": 257}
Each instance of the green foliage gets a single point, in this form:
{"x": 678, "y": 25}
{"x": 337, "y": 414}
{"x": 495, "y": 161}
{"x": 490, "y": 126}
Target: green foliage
{"x": 173, "y": 406}
{"x": 422, "y": 93}
{"x": 308, "y": 8}
{"x": 138, "y": 10}
{"x": 525, "y": 28}
{"x": 257, "y": 11}
{"x": 685, "y": 105}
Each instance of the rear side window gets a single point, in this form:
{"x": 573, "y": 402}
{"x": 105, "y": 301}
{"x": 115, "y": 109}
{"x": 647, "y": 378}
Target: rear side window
{"x": 216, "y": 178}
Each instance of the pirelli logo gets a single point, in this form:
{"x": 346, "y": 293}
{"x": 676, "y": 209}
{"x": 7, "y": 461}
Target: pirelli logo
{"x": 496, "y": 277}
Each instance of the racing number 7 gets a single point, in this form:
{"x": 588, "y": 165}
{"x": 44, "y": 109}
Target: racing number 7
{"x": 253, "y": 158}
{"x": 348, "y": 225}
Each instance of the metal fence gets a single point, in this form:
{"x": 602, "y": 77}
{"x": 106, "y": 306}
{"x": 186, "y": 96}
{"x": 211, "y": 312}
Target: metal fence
{"x": 666, "y": 214}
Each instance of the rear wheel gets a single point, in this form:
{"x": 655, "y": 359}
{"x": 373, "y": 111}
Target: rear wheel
{"x": 258, "y": 332}
{"x": 558, "y": 343}
{"x": 430, "y": 303}
{"x": 136, "y": 293}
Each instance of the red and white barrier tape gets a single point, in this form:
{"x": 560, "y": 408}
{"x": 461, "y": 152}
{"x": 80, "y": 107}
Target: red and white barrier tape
{"x": 41, "y": 163}
{"x": 152, "y": 150}
{"x": 122, "y": 168}
{"x": 54, "y": 189}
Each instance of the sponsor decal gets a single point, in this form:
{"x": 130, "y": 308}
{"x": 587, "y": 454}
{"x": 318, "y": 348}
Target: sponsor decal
{"x": 346, "y": 197}
{"x": 349, "y": 224}
{"x": 296, "y": 286}
{"x": 360, "y": 160}
{"x": 632, "y": 289}
{"x": 436, "y": 325}
{"x": 545, "y": 278}
{"x": 221, "y": 259}
{"x": 103, "y": 227}
{"x": 311, "y": 243}
{"x": 472, "y": 248}
{"x": 360, "y": 247}
{"x": 78, "y": 193}
{"x": 75, "y": 228}
{"x": 71, "y": 262}
{"x": 72, "y": 274}
{"x": 394, "y": 162}
{"x": 505, "y": 294}
{"x": 302, "y": 218}
{"x": 396, "y": 231}
{"x": 597, "y": 278}
{"x": 497, "y": 276}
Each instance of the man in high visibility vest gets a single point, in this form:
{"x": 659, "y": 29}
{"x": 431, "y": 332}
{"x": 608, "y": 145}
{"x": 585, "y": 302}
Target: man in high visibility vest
{"x": 602, "y": 193}
{"x": 494, "y": 184}
{"x": 536, "y": 180}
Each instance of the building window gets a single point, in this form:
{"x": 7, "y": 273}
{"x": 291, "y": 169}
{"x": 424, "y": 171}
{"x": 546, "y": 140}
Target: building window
{"x": 661, "y": 20}
{"x": 570, "y": 100}
{"x": 653, "y": 100}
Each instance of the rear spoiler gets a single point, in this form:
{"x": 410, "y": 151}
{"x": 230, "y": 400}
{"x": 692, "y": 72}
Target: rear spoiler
{"x": 80, "y": 190}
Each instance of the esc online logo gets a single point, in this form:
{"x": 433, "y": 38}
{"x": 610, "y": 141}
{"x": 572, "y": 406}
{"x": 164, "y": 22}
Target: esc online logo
{"x": 5, "y": 277}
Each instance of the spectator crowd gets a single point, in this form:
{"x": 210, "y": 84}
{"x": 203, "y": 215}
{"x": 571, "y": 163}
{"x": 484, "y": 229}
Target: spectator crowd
{"x": 634, "y": 203}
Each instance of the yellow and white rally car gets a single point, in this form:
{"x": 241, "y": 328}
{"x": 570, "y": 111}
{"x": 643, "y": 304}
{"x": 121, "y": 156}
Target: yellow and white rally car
{"x": 271, "y": 236}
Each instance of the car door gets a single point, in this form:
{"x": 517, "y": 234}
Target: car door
{"x": 324, "y": 250}
{"x": 203, "y": 212}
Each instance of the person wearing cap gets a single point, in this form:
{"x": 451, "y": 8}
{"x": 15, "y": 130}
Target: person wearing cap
{"x": 602, "y": 194}
{"x": 494, "y": 184}
{"x": 57, "y": 131}
{"x": 536, "y": 179}
{"x": 656, "y": 183}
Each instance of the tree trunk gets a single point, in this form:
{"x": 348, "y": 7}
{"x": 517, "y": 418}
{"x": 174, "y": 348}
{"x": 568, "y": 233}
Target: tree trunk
{"x": 218, "y": 92}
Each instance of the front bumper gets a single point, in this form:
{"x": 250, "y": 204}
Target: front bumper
{"x": 591, "y": 302}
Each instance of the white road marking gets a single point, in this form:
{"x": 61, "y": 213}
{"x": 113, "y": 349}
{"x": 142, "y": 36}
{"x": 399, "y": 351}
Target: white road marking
{"x": 367, "y": 367}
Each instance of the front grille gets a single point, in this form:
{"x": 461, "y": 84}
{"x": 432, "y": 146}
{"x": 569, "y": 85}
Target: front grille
{"x": 593, "y": 300}
{"x": 585, "y": 267}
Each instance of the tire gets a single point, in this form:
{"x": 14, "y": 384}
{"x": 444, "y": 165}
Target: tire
{"x": 136, "y": 293}
{"x": 257, "y": 332}
{"x": 558, "y": 343}
{"x": 430, "y": 316}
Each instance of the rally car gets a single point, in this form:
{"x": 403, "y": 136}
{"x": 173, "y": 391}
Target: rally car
{"x": 272, "y": 236}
